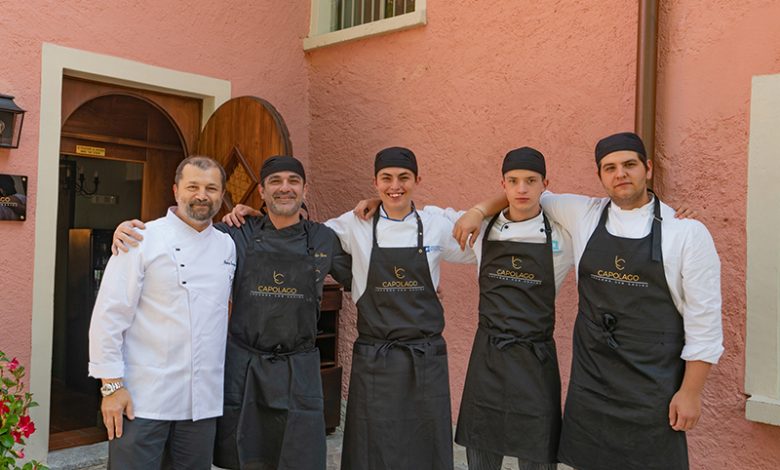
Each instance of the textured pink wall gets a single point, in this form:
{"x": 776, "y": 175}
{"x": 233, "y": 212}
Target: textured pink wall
{"x": 478, "y": 80}
{"x": 474, "y": 82}
{"x": 460, "y": 92}
{"x": 709, "y": 52}
{"x": 255, "y": 45}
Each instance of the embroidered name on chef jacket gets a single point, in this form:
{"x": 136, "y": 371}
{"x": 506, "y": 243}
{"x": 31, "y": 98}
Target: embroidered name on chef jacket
{"x": 514, "y": 272}
{"x": 618, "y": 275}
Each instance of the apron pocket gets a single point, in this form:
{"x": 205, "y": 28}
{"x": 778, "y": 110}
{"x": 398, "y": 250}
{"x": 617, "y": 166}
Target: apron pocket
{"x": 436, "y": 372}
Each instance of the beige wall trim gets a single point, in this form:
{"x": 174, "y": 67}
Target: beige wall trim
{"x": 57, "y": 61}
{"x": 762, "y": 349}
{"x": 320, "y": 34}
{"x": 763, "y": 410}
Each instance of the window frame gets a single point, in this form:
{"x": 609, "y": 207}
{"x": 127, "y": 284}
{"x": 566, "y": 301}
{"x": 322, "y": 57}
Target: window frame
{"x": 322, "y": 12}
{"x": 762, "y": 340}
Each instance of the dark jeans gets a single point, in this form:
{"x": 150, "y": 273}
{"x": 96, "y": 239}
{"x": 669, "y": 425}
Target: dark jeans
{"x": 150, "y": 444}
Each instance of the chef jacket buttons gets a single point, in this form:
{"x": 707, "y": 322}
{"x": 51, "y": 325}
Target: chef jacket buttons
{"x": 183, "y": 282}
{"x": 181, "y": 265}
{"x": 178, "y": 249}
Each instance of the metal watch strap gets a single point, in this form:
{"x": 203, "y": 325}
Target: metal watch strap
{"x": 109, "y": 388}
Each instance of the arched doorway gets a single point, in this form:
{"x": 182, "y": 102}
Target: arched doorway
{"x": 119, "y": 149}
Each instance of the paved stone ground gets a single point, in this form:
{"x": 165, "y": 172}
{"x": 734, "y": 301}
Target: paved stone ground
{"x": 93, "y": 457}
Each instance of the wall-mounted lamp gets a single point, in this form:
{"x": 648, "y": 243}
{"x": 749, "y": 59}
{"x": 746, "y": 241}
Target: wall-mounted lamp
{"x": 11, "y": 119}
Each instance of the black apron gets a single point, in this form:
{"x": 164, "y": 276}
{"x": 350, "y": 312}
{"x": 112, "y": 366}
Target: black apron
{"x": 626, "y": 362}
{"x": 273, "y": 415}
{"x": 512, "y": 397}
{"x": 398, "y": 412}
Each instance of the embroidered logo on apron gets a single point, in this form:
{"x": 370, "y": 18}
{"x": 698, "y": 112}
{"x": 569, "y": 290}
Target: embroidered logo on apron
{"x": 618, "y": 277}
{"x": 277, "y": 289}
{"x": 399, "y": 284}
{"x": 515, "y": 274}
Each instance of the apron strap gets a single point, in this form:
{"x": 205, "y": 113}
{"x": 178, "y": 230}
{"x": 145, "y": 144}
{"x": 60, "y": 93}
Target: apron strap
{"x": 655, "y": 232}
{"x": 547, "y": 229}
{"x": 657, "y": 256}
{"x": 277, "y": 354}
{"x": 487, "y": 232}
{"x": 416, "y": 348}
{"x": 420, "y": 245}
{"x": 503, "y": 342}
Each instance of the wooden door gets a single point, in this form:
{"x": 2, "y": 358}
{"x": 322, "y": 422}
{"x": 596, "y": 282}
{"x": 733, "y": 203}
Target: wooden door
{"x": 241, "y": 135}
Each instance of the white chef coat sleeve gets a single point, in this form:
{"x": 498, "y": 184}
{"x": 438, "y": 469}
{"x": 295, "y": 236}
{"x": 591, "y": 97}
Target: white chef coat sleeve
{"x": 449, "y": 246}
{"x": 114, "y": 311}
{"x": 448, "y": 213}
{"x": 563, "y": 261}
{"x": 566, "y": 209}
{"x": 701, "y": 297}
{"x": 343, "y": 226}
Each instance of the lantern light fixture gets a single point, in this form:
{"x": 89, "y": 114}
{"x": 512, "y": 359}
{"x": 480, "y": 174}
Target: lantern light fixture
{"x": 11, "y": 119}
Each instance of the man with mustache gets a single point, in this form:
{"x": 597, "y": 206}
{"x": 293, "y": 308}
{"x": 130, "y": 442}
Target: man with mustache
{"x": 158, "y": 330}
{"x": 273, "y": 411}
{"x": 649, "y": 323}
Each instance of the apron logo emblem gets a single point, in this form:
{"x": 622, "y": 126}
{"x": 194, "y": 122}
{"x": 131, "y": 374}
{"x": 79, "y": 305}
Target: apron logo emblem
{"x": 620, "y": 263}
{"x": 278, "y": 278}
{"x": 517, "y": 263}
{"x": 399, "y": 284}
{"x": 399, "y": 272}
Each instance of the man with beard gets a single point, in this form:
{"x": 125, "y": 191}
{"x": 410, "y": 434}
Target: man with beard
{"x": 157, "y": 337}
{"x": 273, "y": 414}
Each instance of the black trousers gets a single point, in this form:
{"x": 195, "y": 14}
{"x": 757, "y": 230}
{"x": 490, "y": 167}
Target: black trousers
{"x": 150, "y": 444}
{"x": 485, "y": 460}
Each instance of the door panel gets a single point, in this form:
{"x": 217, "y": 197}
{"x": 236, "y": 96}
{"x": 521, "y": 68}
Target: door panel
{"x": 241, "y": 135}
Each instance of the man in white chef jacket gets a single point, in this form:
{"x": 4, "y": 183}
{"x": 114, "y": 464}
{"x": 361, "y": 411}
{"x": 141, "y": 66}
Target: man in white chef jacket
{"x": 649, "y": 323}
{"x": 159, "y": 327}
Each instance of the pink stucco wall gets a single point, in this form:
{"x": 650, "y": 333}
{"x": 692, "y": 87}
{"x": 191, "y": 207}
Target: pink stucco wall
{"x": 254, "y": 45}
{"x": 479, "y": 80}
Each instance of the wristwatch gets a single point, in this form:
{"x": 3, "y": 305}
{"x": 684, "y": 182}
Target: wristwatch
{"x": 109, "y": 388}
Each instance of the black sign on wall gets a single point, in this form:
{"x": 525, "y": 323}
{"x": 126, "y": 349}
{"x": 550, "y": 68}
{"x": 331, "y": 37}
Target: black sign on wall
{"x": 13, "y": 197}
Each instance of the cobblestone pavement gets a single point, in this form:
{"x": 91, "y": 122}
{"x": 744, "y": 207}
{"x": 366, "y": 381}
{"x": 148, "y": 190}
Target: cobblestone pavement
{"x": 94, "y": 457}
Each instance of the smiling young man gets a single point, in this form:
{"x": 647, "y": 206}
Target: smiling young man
{"x": 398, "y": 412}
{"x": 158, "y": 330}
{"x": 273, "y": 411}
{"x": 649, "y": 322}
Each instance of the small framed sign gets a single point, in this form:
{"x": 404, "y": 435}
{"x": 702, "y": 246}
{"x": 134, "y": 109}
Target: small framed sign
{"x": 13, "y": 197}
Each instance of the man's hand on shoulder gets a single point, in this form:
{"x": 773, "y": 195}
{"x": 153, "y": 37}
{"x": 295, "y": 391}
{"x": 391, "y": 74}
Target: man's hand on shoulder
{"x": 125, "y": 236}
{"x": 366, "y": 208}
{"x": 236, "y": 217}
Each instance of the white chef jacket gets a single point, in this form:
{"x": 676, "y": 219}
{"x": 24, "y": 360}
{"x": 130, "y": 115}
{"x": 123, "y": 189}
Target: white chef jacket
{"x": 525, "y": 231}
{"x": 691, "y": 264}
{"x": 356, "y": 236}
{"x": 160, "y": 320}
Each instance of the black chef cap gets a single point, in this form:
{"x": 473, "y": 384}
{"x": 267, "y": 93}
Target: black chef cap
{"x": 621, "y": 141}
{"x": 524, "y": 158}
{"x": 279, "y": 163}
{"x": 395, "y": 157}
